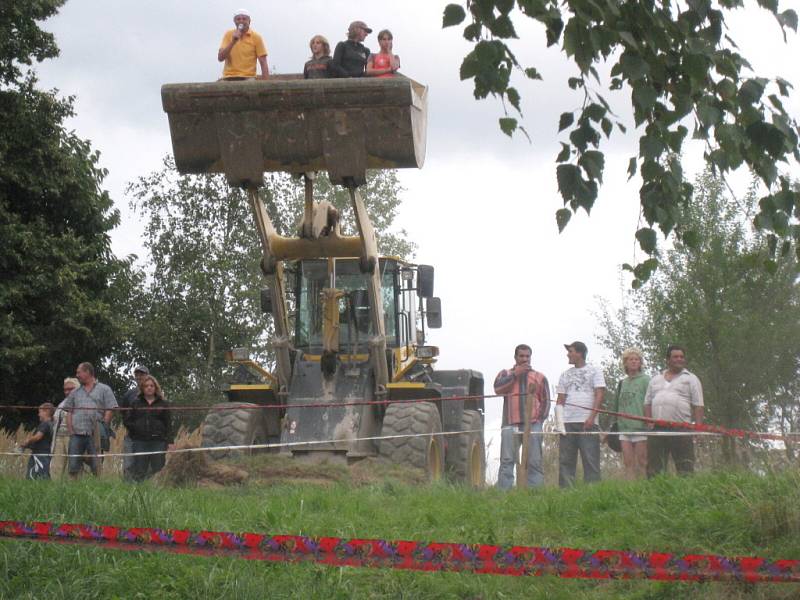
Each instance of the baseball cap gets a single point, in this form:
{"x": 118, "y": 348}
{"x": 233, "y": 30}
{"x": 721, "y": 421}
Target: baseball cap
{"x": 579, "y": 347}
{"x": 361, "y": 24}
{"x": 141, "y": 369}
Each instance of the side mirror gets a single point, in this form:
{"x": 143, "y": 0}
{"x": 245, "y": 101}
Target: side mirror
{"x": 433, "y": 312}
{"x": 266, "y": 301}
{"x": 425, "y": 281}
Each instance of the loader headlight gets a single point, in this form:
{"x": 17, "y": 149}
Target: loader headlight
{"x": 427, "y": 351}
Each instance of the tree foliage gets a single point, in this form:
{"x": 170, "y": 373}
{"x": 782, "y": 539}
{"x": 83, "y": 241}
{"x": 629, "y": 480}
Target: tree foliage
{"x": 21, "y": 39}
{"x": 60, "y": 284}
{"x": 685, "y": 77}
{"x": 739, "y": 324}
{"x": 200, "y": 294}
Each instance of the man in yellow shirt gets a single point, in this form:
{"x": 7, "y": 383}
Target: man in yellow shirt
{"x": 241, "y": 48}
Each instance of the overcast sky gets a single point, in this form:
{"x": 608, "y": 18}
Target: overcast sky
{"x": 482, "y": 208}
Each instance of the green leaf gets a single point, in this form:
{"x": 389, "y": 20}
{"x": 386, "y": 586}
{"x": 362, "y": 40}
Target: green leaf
{"x": 646, "y": 237}
{"x": 532, "y": 73}
{"x": 594, "y": 111}
{"x": 607, "y": 127}
{"x": 631, "y": 167}
{"x": 472, "y": 32}
{"x": 650, "y": 147}
{"x": 696, "y": 66}
{"x": 502, "y": 27}
{"x": 632, "y": 66}
{"x": 504, "y": 6}
{"x": 565, "y": 153}
{"x": 788, "y": 18}
{"x": 726, "y": 88}
{"x": 691, "y": 238}
{"x": 575, "y": 82}
{"x": 470, "y": 66}
{"x": 783, "y": 86}
{"x": 593, "y": 162}
{"x": 453, "y": 15}
{"x": 565, "y": 120}
{"x": 508, "y": 125}
{"x": 513, "y": 97}
{"x": 751, "y": 90}
{"x": 627, "y": 37}
{"x": 563, "y": 215}
{"x": 768, "y": 137}
{"x": 644, "y": 96}
{"x": 708, "y": 114}
{"x": 568, "y": 177}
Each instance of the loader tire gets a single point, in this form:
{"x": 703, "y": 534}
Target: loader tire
{"x": 466, "y": 457}
{"x": 226, "y": 426}
{"x": 423, "y": 444}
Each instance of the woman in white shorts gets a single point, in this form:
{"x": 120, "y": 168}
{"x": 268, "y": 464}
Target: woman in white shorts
{"x": 630, "y": 400}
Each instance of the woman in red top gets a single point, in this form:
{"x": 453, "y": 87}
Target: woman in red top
{"x": 383, "y": 64}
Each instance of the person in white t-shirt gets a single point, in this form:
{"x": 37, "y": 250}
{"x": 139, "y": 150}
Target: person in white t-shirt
{"x": 580, "y": 393}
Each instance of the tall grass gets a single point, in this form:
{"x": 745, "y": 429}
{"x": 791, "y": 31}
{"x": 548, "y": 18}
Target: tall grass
{"x": 724, "y": 513}
{"x": 14, "y": 466}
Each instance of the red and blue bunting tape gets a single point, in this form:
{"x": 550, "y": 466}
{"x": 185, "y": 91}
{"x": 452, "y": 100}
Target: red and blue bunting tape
{"x": 419, "y": 556}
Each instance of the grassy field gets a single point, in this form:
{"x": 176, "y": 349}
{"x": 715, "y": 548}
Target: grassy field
{"x": 728, "y": 513}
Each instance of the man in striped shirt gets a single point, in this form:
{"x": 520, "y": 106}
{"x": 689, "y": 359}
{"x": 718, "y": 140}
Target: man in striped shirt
{"x": 522, "y": 385}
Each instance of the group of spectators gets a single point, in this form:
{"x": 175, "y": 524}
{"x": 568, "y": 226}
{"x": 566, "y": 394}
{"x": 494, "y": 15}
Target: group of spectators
{"x": 80, "y": 427}
{"x": 242, "y": 50}
{"x": 675, "y": 395}
{"x": 76, "y": 433}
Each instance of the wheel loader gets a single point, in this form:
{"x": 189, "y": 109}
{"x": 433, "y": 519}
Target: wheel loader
{"x": 353, "y": 376}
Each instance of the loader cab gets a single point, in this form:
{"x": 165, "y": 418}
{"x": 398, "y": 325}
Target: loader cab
{"x": 401, "y": 304}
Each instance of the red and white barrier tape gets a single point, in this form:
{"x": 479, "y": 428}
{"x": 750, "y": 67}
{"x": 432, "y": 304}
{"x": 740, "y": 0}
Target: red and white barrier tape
{"x": 419, "y": 556}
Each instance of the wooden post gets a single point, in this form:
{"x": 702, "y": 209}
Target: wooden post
{"x": 526, "y": 409}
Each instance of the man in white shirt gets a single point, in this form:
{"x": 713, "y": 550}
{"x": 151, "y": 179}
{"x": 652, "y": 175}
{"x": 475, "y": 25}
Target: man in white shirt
{"x": 674, "y": 395}
{"x": 580, "y": 393}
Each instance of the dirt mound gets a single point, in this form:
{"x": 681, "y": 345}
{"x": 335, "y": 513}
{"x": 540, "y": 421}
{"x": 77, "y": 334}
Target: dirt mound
{"x": 194, "y": 468}
{"x": 367, "y": 471}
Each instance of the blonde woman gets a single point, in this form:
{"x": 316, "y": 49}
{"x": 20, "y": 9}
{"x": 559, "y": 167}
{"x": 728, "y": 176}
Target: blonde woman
{"x": 317, "y": 66}
{"x": 629, "y": 399}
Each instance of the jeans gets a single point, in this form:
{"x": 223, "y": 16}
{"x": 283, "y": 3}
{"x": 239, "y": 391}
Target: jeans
{"x": 78, "y": 446}
{"x": 510, "y": 443}
{"x": 659, "y": 449}
{"x": 149, "y": 464}
{"x": 568, "y": 448}
{"x": 127, "y": 461}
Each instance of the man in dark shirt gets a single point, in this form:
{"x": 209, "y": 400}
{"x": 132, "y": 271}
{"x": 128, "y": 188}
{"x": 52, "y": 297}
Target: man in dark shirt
{"x": 350, "y": 57}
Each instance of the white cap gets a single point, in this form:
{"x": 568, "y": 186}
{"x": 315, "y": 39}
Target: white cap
{"x": 242, "y": 11}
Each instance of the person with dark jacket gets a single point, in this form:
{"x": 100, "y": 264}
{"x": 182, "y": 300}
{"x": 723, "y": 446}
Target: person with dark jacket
{"x": 139, "y": 373}
{"x": 350, "y": 57}
{"x": 149, "y": 425}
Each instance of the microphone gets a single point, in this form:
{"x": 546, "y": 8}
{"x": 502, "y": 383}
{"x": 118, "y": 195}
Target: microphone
{"x": 240, "y": 27}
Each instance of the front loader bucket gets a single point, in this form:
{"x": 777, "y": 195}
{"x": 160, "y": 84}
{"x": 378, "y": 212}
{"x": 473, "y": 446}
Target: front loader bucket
{"x": 286, "y": 123}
